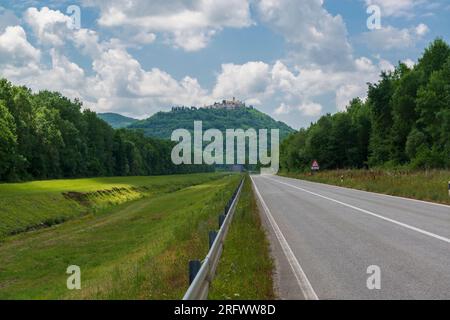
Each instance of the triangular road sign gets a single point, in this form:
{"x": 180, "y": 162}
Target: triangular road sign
{"x": 315, "y": 165}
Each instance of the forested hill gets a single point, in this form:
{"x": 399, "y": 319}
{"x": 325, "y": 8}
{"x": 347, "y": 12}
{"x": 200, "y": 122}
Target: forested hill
{"x": 405, "y": 122}
{"x": 115, "y": 120}
{"x": 162, "y": 124}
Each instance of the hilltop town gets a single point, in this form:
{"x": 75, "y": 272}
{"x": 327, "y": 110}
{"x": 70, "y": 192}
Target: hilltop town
{"x": 225, "y": 104}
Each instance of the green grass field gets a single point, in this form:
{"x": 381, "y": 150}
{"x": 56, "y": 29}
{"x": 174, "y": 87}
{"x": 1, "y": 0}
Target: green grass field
{"x": 422, "y": 185}
{"x": 137, "y": 249}
{"x": 37, "y": 204}
{"x": 245, "y": 268}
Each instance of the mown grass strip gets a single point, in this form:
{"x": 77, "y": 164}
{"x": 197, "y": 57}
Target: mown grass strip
{"x": 421, "y": 185}
{"x": 245, "y": 268}
{"x": 139, "y": 250}
{"x": 33, "y": 205}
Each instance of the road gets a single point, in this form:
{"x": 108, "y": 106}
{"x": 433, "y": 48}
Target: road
{"x": 324, "y": 239}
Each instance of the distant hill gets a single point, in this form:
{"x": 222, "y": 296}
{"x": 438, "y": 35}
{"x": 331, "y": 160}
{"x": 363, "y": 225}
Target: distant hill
{"x": 162, "y": 124}
{"x": 116, "y": 120}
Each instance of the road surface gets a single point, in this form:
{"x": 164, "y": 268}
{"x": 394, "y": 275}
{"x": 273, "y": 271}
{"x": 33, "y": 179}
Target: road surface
{"x": 330, "y": 242}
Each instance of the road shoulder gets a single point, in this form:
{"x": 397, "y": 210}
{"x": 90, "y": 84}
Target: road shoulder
{"x": 284, "y": 280}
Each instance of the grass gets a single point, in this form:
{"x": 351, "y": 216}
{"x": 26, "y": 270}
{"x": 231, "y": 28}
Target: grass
{"x": 422, "y": 185}
{"x": 37, "y": 204}
{"x": 245, "y": 268}
{"x": 138, "y": 250}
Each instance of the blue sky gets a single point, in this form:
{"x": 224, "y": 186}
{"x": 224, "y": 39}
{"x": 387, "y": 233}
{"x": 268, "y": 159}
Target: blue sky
{"x": 293, "y": 59}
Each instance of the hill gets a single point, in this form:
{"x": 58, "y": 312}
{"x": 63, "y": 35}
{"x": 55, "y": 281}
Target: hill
{"x": 162, "y": 124}
{"x": 116, "y": 120}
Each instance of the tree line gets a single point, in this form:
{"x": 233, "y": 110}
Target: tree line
{"x": 404, "y": 122}
{"x": 47, "y": 136}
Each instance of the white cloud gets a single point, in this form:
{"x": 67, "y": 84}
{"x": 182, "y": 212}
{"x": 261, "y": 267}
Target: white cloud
{"x": 317, "y": 38}
{"x": 396, "y": 8}
{"x": 15, "y": 48}
{"x": 250, "y": 80}
{"x": 119, "y": 77}
{"x": 282, "y": 109}
{"x": 48, "y": 25}
{"x": 385, "y": 65}
{"x": 409, "y": 63}
{"x": 348, "y": 92}
{"x": 144, "y": 37}
{"x": 422, "y": 29}
{"x": 389, "y": 38}
{"x": 185, "y": 24}
{"x": 310, "y": 109}
{"x": 119, "y": 83}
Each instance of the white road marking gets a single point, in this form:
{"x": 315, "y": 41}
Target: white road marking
{"x": 377, "y": 194}
{"x": 302, "y": 279}
{"x": 430, "y": 234}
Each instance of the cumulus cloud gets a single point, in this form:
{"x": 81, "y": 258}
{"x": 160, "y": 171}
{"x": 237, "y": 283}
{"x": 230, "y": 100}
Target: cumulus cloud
{"x": 282, "y": 109}
{"x": 118, "y": 83}
{"x": 298, "y": 88}
{"x": 189, "y": 25}
{"x": 320, "y": 61}
{"x": 422, "y": 29}
{"x": 317, "y": 37}
{"x": 409, "y": 63}
{"x": 396, "y": 8}
{"x": 15, "y": 48}
{"x": 48, "y": 25}
{"x": 310, "y": 109}
{"x": 248, "y": 80}
{"x": 389, "y": 38}
{"x": 346, "y": 93}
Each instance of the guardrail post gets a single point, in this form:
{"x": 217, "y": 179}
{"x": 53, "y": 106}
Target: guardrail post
{"x": 449, "y": 188}
{"x": 212, "y": 237}
{"x": 194, "y": 267}
{"x": 221, "y": 220}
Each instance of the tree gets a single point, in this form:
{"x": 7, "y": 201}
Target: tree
{"x": 379, "y": 99}
{"x": 8, "y": 143}
{"x": 46, "y": 135}
{"x": 405, "y": 121}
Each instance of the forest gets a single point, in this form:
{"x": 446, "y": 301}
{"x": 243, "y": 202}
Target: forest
{"x": 403, "y": 123}
{"x": 162, "y": 124}
{"x": 45, "y": 135}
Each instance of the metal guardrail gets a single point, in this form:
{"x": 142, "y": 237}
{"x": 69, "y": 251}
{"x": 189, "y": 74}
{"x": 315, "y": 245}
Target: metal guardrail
{"x": 202, "y": 273}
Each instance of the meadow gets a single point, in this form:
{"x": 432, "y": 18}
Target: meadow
{"x": 39, "y": 204}
{"x": 133, "y": 249}
{"x": 429, "y": 185}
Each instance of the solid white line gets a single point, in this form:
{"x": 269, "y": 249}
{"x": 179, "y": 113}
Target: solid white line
{"x": 374, "y": 193}
{"x": 430, "y": 234}
{"x": 302, "y": 279}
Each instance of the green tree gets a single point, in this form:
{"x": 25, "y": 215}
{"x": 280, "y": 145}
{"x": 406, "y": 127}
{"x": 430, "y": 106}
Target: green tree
{"x": 8, "y": 143}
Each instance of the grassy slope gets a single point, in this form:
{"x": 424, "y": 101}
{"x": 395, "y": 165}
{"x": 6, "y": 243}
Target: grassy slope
{"x": 139, "y": 250}
{"x": 428, "y": 186}
{"x": 31, "y": 205}
{"x": 245, "y": 268}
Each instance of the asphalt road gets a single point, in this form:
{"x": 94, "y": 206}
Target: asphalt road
{"x": 330, "y": 241}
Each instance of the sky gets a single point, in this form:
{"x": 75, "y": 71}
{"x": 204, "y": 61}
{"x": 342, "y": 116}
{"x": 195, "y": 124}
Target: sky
{"x": 292, "y": 59}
